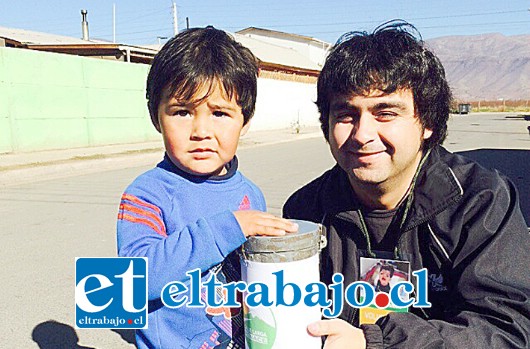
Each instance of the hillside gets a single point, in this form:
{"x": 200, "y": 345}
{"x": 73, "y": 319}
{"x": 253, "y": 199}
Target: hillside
{"x": 487, "y": 66}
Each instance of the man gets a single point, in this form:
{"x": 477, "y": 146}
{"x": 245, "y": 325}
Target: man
{"x": 384, "y": 103}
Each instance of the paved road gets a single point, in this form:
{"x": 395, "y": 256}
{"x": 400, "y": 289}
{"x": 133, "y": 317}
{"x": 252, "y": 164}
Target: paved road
{"x": 45, "y": 225}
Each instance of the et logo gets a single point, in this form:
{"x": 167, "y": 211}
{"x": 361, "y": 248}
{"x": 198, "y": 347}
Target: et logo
{"x": 111, "y": 292}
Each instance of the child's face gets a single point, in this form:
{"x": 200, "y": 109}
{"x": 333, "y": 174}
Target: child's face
{"x": 201, "y": 138}
{"x": 384, "y": 277}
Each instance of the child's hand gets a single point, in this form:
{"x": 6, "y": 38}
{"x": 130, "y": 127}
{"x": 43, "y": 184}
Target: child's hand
{"x": 262, "y": 223}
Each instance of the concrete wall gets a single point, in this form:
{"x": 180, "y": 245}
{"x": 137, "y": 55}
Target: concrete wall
{"x": 282, "y": 104}
{"x": 57, "y": 101}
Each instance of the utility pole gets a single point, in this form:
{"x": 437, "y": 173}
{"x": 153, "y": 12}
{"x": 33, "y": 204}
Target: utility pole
{"x": 114, "y": 23}
{"x": 175, "y": 23}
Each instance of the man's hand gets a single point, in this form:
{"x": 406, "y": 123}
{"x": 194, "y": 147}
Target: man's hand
{"x": 341, "y": 335}
{"x": 262, "y": 223}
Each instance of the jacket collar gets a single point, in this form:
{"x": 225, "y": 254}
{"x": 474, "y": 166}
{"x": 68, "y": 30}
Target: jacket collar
{"x": 436, "y": 189}
{"x": 168, "y": 165}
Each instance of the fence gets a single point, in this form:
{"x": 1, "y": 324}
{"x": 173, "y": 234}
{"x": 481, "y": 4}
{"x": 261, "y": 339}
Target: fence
{"x": 499, "y": 105}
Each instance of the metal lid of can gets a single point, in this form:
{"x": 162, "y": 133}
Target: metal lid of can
{"x": 308, "y": 241}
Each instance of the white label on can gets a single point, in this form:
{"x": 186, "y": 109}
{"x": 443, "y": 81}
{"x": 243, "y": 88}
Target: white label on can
{"x": 279, "y": 327}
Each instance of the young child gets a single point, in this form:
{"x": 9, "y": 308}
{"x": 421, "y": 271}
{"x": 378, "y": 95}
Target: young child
{"x": 385, "y": 275}
{"x": 194, "y": 209}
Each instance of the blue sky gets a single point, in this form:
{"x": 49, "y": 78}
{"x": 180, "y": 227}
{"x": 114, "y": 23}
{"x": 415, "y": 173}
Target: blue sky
{"x": 143, "y": 21}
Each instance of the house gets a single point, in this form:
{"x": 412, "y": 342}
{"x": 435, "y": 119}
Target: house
{"x": 279, "y": 62}
{"x": 281, "y": 56}
{"x": 315, "y": 50}
{"x": 95, "y": 99}
{"x": 26, "y": 39}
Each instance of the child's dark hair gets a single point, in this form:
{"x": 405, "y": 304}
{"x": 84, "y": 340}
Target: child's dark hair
{"x": 392, "y": 57}
{"x": 389, "y": 268}
{"x": 202, "y": 56}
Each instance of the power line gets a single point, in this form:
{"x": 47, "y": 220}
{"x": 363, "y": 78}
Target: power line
{"x": 431, "y": 27}
{"x": 148, "y": 21}
{"x": 58, "y": 22}
{"x": 313, "y": 24}
{"x": 143, "y": 16}
{"x": 125, "y": 24}
{"x": 146, "y": 31}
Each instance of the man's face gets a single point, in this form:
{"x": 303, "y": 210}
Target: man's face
{"x": 384, "y": 277}
{"x": 376, "y": 138}
{"x": 200, "y": 138}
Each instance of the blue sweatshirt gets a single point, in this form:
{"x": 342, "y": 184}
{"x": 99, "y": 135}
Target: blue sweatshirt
{"x": 181, "y": 222}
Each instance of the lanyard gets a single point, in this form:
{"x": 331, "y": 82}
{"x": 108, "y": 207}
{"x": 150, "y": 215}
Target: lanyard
{"x": 408, "y": 203}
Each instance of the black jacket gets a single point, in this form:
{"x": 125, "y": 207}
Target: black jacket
{"x": 465, "y": 226}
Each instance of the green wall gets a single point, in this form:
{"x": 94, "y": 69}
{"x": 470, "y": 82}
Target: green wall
{"x": 57, "y": 101}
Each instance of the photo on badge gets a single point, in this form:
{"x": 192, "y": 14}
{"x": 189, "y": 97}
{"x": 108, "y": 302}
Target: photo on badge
{"x": 382, "y": 274}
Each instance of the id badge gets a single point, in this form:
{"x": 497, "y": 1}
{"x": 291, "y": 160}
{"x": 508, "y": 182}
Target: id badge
{"x": 382, "y": 273}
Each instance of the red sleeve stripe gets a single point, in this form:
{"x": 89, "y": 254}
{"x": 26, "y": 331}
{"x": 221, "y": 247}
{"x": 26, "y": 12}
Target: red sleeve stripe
{"x": 140, "y": 202}
{"x": 140, "y": 220}
{"x": 142, "y": 212}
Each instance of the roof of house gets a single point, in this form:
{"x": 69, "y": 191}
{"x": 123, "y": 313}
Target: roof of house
{"x": 271, "y": 56}
{"x": 263, "y": 31}
{"x": 28, "y": 37}
{"x": 274, "y": 54}
{"x": 66, "y": 44}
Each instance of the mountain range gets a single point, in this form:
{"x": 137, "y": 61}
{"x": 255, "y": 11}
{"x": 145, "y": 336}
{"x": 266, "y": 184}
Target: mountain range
{"x": 486, "y": 66}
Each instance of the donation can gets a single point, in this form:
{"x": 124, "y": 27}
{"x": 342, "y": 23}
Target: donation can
{"x": 297, "y": 256}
